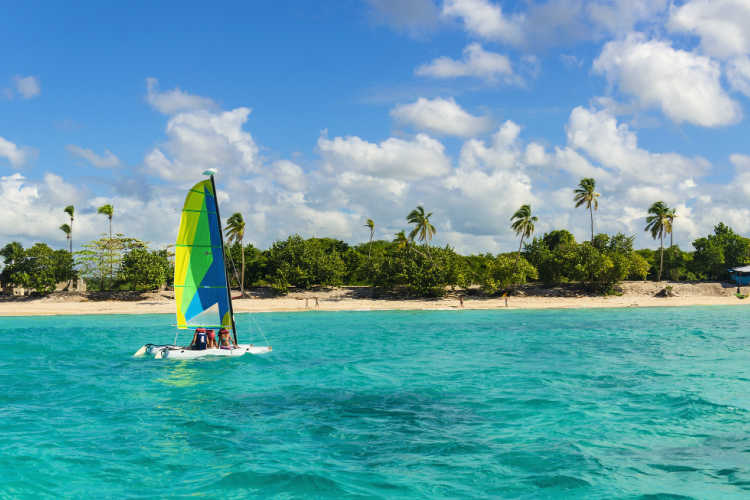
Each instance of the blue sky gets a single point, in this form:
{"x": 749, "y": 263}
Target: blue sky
{"x": 320, "y": 115}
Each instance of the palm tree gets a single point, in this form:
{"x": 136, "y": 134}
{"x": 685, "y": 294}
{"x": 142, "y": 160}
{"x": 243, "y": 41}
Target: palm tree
{"x": 70, "y": 210}
{"x": 109, "y": 210}
{"x": 371, "y": 226}
{"x": 401, "y": 241}
{"x": 235, "y": 232}
{"x": 422, "y": 227}
{"x": 65, "y": 228}
{"x": 657, "y": 223}
{"x": 585, "y": 193}
{"x": 671, "y": 216}
{"x": 523, "y": 225}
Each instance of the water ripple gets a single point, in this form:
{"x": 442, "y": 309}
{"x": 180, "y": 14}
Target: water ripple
{"x": 639, "y": 403}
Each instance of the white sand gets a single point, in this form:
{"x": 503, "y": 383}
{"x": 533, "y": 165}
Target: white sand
{"x": 636, "y": 294}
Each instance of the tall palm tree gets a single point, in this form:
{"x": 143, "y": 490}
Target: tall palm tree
{"x": 422, "y": 227}
{"x": 371, "y": 226}
{"x": 65, "y": 228}
{"x": 70, "y": 210}
{"x": 235, "y": 232}
{"x": 585, "y": 194}
{"x": 656, "y": 224}
{"x": 109, "y": 210}
{"x": 671, "y": 216}
{"x": 523, "y": 225}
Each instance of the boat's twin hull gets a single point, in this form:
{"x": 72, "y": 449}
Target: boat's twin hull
{"x": 181, "y": 352}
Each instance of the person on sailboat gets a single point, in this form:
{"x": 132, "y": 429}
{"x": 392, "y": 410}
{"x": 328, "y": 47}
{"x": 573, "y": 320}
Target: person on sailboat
{"x": 200, "y": 339}
{"x": 211, "y": 339}
{"x": 224, "y": 340}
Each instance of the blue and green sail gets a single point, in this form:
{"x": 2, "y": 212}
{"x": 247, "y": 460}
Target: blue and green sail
{"x": 200, "y": 281}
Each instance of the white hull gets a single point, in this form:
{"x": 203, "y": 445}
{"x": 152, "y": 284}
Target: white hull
{"x": 181, "y": 352}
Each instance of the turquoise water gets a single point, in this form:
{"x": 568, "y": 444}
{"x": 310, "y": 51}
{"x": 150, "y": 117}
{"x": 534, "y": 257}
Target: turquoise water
{"x": 504, "y": 404}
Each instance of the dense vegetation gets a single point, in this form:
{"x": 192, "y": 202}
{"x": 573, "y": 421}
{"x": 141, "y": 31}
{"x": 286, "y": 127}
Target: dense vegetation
{"x": 401, "y": 265}
{"x": 408, "y": 264}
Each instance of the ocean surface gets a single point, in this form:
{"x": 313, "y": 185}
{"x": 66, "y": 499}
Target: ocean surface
{"x": 629, "y": 403}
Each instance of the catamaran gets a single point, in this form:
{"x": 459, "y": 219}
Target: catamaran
{"x": 201, "y": 285}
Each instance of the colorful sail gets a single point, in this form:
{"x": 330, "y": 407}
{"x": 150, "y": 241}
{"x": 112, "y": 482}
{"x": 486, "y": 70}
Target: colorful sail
{"x": 200, "y": 281}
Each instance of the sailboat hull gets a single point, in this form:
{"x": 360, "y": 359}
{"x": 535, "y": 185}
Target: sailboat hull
{"x": 181, "y": 352}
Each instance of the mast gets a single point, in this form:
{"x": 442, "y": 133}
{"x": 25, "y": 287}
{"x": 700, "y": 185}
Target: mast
{"x": 223, "y": 253}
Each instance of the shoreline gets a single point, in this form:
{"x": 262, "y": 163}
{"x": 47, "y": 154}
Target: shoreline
{"x": 46, "y": 307}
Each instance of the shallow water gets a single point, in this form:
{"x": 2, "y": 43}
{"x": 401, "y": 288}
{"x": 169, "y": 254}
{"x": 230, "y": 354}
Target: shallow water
{"x": 631, "y": 403}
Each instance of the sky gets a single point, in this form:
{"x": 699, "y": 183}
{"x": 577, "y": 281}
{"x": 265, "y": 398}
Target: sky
{"x": 320, "y": 115}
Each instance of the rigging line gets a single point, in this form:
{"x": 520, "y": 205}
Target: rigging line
{"x": 231, "y": 260}
{"x": 252, "y": 316}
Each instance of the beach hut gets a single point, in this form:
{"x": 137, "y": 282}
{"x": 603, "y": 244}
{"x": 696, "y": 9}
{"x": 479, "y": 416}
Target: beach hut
{"x": 740, "y": 275}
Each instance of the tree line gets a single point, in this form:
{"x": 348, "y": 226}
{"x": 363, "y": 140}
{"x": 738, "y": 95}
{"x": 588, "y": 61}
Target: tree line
{"x": 407, "y": 264}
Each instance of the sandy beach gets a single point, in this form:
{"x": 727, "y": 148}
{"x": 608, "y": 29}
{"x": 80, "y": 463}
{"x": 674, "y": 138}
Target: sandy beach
{"x": 635, "y": 294}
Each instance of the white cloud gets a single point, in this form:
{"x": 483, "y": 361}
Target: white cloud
{"x": 107, "y": 160}
{"x": 201, "y": 139}
{"x": 27, "y": 86}
{"x": 572, "y": 162}
{"x": 393, "y": 158}
{"x": 489, "y": 183}
{"x": 554, "y": 23}
{"x": 619, "y": 16}
{"x": 476, "y": 62}
{"x": 738, "y": 74}
{"x": 615, "y": 146}
{"x": 485, "y": 19}
{"x": 685, "y": 86}
{"x": 441, "y": 116}
{"x": 15, "y": 155}
{"x": 34, "y": 209}
{"x": 289, "y": 175}
{"x": 722, "y": 25}
{"x": 175, "y": 100}
{"x": 413, "y": 16}
{"x": 536, "y": 155}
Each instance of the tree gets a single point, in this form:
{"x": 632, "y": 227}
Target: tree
{"x": 716, "y": 253}
{"x": 371, "y": 226}
{"x": 671, "y": 216}
{"x": 65, "y": 228}
{"x": 501, "y": 272}
{"x": 656, "y": 224}
{"x": 109, "y": 210}
{"x": 70, "y": 210}
{"x": 523, "y": 225}
{"x": 304, "y": 263}
{"x": 401, "y": 241}
{"x": 585, "y": 194}
{"x": 418, "y": 273}
{"x": 235, "y": 232}
{"x": 422, "y": 227}
{"x": 13, "y": 255}
{"x": 144, "y": 270}
{"x": 96, "y": 257}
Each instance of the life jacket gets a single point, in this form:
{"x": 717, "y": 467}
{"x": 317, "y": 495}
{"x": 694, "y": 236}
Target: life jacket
{"x": 200, "y": 339}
